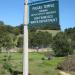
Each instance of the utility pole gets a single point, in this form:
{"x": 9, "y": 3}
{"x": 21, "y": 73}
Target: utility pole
{"x": 25, "y": 51}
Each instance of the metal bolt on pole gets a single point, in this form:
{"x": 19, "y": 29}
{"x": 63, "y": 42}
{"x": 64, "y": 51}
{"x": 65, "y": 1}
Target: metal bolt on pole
{"x": 25, "y": 51}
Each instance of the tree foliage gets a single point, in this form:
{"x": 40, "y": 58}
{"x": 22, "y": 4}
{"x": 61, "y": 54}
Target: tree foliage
{"x": 70, "y": 32}
{"x": 40, "y": 39}
{"x": 62, "y": 45}
{"x": 9, "y": 35}
{"x": 20, "y": 42}
{"x": 5, "y": 40}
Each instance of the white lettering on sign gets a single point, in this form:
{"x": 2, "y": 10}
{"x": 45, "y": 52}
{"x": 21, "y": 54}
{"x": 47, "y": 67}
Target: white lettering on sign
{"x": 48, "y": 5}
{"x": 37, "y": 8}
{"x": 44, "y": 13}
{"x": 35, "y": 18}
{"x": 51, "y": 20}
{"x": 44, "y": 10}
{"x": 43, "y": 17}
{"x": 38, "y": 14}
{"x": 51, "y": 12}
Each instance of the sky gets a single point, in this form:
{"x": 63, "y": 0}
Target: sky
{"x": 12, "y": 12}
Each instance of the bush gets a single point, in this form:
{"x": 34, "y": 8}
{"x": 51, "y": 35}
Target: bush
{"x": 68, "y": 64}
{"x": 40, "y": 39}
{"x": 42, "y": 58}
{"x": 61, "y": 45}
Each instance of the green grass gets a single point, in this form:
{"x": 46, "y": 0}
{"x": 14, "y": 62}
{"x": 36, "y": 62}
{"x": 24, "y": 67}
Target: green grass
{"x": 16, "y": 63}
{"x": 36, "y": 65}
{"x": 43, "y": 67}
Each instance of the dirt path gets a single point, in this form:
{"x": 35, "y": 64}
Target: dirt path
{"x": 64, "y": 73}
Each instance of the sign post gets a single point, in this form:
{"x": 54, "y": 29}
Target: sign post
{"x": 25, "y": 52}
{"x": 41, "y": 13}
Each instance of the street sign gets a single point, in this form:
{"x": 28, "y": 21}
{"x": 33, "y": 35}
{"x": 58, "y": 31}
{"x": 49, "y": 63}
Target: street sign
{"x": 44, "y": 13}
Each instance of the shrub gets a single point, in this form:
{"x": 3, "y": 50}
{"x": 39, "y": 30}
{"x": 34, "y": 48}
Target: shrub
{"x": 40, "y": 39}
{"x": 42, "y": 58}
{"x": 68, "y": 64}
{"x": 61, "y": 45}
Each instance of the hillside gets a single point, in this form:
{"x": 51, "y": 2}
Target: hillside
{"x": 53, "y": 32}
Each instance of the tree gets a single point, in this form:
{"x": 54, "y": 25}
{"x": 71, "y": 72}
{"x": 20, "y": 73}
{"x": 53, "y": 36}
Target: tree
{"x": 9, "y": 28}
{"x": 62, "y": 45}
{"x": 21, "y": 28}
{"x": 70, "y": 32}
{"x": 40, "y": 39}
{"x": 16, "y": 31}
{"x": 20, "y": 42}
{"x": 5, "y": 40}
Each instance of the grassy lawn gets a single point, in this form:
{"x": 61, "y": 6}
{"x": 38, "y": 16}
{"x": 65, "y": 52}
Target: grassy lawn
{"x": 36, "y": 65}
{"x": 16, "y": 63}
{"x": 43, "y": 67}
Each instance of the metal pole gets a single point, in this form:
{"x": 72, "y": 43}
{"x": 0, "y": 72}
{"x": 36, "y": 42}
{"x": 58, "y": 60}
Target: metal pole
{"x": 25, "y": 52}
